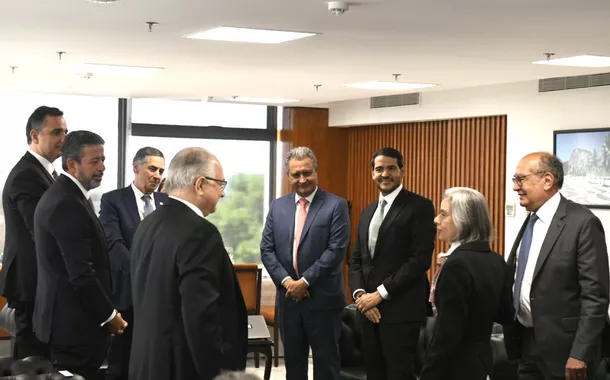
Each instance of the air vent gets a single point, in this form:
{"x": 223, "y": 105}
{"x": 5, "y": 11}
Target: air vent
{"x": 571, "y": 83}
{"x": 395, "y": 100}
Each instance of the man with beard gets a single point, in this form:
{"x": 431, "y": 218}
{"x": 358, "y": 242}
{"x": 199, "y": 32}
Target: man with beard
{"x": 304, "y": 242}
{"x": 388, "y": 267}
{"x": 73, "y": 312}
{"x": 25, "y": 185}
{"x": 121, "y": 211}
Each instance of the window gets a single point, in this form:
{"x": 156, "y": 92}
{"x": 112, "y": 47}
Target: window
{"x": 240, "y": 215}
{"x": 202, "y": 114}
{"x": 96, "y": 114}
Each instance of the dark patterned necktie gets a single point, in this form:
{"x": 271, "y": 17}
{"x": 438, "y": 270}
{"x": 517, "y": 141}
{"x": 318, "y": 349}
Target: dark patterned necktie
{"x": 54, "y": 174}
{"x": 524, "y": 251}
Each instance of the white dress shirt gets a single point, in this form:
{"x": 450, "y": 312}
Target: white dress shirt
{"x": 295, "y": 243}
{"x": 389, "y": 199}
{"x": 545, "y": 215}
{"x": 141, "y": 202}
{"x": 86, "y": 194}
{"x": 43, "y": 161}
{"x": 195, "y": 209}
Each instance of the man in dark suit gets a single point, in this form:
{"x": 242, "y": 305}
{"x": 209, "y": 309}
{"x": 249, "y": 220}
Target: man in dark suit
{"x": 190, "y": 316}
{"x": 73, "y": 312}
{"x": 120, "y": 214}
{"x": 559, "y": 278}
{"x": 304, "y": 242}
{"x": 388, "y": 267}
{"x": 25, "y": 185}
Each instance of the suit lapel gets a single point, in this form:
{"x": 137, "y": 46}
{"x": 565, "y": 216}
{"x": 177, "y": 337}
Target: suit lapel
{"x": 132, "y": 206}
{"x": 158, "y": 200}
{"x": 315, "y": 206}
{"x": 512, "y": 257}
{"x": 41, "y": 169}
{"x": 367, "y": 216}
{"x": 395, "y": 210}
{"x": 555, "y": 228}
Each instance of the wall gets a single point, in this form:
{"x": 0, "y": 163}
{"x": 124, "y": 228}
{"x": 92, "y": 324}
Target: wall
{"x": 531, "y": 120}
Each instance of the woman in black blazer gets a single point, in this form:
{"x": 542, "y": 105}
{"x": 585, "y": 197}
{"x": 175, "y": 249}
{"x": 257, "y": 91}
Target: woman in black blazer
{"x": 468, "y": 291}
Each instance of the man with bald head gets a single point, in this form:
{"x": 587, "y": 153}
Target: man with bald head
{"x": 560, "y": 278}
{"x": 190, "y": 316}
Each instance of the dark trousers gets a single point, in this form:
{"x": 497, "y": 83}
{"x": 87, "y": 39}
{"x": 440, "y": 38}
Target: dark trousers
{"x": 26, "y": 343}
{"x": 302, "y": 328}
{"x": 532, "y": 366}
{"x": 84, "y": 360}
{"x": 389, "y": 349}
{"x": 120, "y": 348}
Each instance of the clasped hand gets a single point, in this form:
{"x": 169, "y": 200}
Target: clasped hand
{"x": 297, "y": 290}
{"x": 367, "y": 304}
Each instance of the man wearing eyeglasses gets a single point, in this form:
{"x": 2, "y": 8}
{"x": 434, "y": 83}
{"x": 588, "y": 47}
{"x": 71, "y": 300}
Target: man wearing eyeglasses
{"x": 559, "y": 268}
{"x": 121, "y": 211}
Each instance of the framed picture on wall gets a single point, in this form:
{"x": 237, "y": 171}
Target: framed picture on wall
{"x": 585, "y": 154}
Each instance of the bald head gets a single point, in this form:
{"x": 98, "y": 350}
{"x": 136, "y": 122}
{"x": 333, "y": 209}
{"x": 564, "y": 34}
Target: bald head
{"x": 538, "y": 177}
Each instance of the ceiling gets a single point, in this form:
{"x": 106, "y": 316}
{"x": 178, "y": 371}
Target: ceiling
{"x": 452, "y": 43}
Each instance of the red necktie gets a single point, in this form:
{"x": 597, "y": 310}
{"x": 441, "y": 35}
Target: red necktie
{"x": 300, "y": 224}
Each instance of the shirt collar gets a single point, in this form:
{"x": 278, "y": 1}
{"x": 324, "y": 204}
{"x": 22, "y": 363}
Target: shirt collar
{"x": 546, "y": 212}
{"x": 195, "y": 209}
{"x": 389, "y": 199}
{"x": 80, "y": 185}
{"x": 43, "y": 161}
{"x": 309, "y": 198}
{"x": 138, "y": 193}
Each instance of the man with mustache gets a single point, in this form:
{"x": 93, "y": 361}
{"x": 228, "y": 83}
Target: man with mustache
{"x": 73, "y": 312}
{"x": 387, "y": 274}
{"x": 25, "y": 185}
{"x": 304, "y": 242}
{"x": 121, "y": 211}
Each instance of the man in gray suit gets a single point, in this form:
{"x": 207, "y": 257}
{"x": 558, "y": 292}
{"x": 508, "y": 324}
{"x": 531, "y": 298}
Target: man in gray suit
{"x": 304, "y": 242}
{"x": 559, "y": 277}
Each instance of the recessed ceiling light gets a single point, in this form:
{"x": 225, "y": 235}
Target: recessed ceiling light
{"x": 261, "y": 36}
{"x": 578, "y": 61}
{"x": 99, "y": 68}
{"x": 246, "y": 99}
{"x": 394, "y": 86}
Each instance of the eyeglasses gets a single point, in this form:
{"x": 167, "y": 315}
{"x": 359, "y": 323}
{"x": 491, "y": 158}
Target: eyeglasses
{"x": 518, "y": 180}
{"x": 222, "y": 182}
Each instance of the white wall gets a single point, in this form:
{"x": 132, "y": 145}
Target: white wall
{"x": 531, "y": 116}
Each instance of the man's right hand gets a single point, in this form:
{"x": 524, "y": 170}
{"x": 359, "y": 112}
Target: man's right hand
{"x": 117, "y": 325}
{"x": 373, "y": 315}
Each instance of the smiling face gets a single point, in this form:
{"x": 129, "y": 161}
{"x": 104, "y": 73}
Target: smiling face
{"x": 533, "y": 186}
{"x": 149, "y": 173}
{"x": 303, "y": 178}
{"x": 49, "y": 140}
{"x": 386, "y": 174}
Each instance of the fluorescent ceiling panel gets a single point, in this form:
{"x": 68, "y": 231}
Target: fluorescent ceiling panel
{"x": 394, "y": 86}
{"x": 246, "y": 99}
{"x": 578, "y": 61}
{"x": 261, "y": 36}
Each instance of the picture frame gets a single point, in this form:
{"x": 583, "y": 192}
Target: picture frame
{"x": 585, "y": 154}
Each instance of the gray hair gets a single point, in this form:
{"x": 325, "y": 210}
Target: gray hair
{"x": 188, "y": 165}
{"x": 235, "y": 375}
{"x": 143, "y": 153}
{"x": 300, "y": 153}
{"x": 470, "y": 214}
{"x": 549, "y": 163}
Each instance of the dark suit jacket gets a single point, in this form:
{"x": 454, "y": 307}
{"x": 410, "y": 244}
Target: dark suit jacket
{"x": 72, "y": 296}
{"x": 323, "y": 244}
{"x": 569, "y": 295}
{"x": 469, "y": 293}
{"x": 403, "y": 254}
{"x": 120, "y": 218}
{"x": 190, "y": 315}
{"x": 24, "y": 187}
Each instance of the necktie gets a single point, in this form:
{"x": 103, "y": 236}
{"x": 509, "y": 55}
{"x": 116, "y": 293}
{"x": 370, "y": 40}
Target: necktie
{"x": 524, "y": 251}
{"x": 90, "y": 202}
{"x": 300, "y": 224}
{"x": 54, "y": 174}
{"x": 147, "y": 205}
{"x": 375, "y": 225}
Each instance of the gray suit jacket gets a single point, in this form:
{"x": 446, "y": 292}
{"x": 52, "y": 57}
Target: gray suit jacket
{"x": 569, "y": 294}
